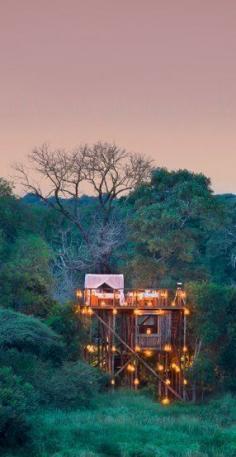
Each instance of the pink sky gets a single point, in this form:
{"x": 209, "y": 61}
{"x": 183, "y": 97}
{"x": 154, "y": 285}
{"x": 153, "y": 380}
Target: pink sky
{"x": 155, "y": 76}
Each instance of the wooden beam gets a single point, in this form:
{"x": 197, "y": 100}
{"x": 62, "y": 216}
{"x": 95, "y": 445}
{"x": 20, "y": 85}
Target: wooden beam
{"x": 139, "y": 358}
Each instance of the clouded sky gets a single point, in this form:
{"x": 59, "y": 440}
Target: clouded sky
{"x": 155, "y": 76}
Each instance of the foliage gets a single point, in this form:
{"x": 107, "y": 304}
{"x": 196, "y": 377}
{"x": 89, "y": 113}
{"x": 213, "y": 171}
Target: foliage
{"x": 126, "y": 425}
{"x": 17, "y": 401}
{"x": 173, "y": 216}
{"x": 213, "y": 322}
{"x": 28, "y": 334}
{"x": 73, "y": 385}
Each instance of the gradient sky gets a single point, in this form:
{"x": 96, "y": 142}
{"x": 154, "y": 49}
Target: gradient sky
{"x": 155, "y": 76}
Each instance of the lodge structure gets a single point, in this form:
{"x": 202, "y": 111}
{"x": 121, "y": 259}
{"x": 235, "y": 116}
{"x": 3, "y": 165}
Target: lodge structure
{"x": 137, "y": 336}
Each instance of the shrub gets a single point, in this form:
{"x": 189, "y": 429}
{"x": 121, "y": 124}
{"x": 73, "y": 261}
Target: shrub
{"x": 70, "y": 386}
{"x": 28, "y": 334}
{"x": 17, "y": 400}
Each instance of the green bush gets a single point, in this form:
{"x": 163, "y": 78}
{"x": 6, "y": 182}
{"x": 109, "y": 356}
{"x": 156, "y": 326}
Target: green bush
{"x": 70, "y": 386}
{"x": 17, "y": 400}
{"x": 28, "y": 334}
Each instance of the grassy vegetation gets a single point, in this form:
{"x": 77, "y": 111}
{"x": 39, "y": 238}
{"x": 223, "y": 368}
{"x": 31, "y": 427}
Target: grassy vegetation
{"x": 129, "y": 425}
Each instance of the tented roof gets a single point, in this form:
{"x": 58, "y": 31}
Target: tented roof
{"x": 94, "y": 281}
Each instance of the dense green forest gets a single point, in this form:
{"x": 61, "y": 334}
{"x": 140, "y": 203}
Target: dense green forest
{"x": 161, "y": 227}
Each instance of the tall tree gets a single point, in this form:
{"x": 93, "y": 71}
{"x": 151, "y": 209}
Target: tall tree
{"x": 109, "y": 170}
{"x": 172, "y": 219}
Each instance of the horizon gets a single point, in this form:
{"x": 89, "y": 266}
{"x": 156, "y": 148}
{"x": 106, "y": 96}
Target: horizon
{"x": 156, "y": 78}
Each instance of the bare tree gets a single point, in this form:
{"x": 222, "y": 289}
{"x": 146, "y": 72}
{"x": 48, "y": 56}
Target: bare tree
{"x": 110, "y": 171}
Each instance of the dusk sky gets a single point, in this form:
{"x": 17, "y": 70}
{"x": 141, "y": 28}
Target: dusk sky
{"x": 155, "y": 76}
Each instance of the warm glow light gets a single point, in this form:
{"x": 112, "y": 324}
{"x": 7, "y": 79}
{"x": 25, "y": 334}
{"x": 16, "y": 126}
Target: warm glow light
{"x": 136, "y": 381}
{"x": 167, "y": 382}
{"x": 173, "y": 365}
{"x": 130, "y": 368}
{"x": 79, "y": 293}
{"x": 177, "y": 369}
{"x": 173, "y": 303}
{"x": 186, "y": 312}
{"x": 185, "y": 382}
{"x": 149, "y": 303}
{"x": 165, "y": 401}
{"x": 91, "y": 348}
{"x": 148, "y": 353}
{"x": 89, "y": 312}
{"x": 103, "y": 303}
{"x": 113, "y": 382}
{"x": 137, "y": 348}
{"x": 113, "y": 348}
{"x": 148, "y": 331}
{"x": 185, "y": 349}
{"x": 160, "y": 367}
{"x": 137, "y": 312}
{"x": 167, "y": 347}
{"x": 114, "y": 311}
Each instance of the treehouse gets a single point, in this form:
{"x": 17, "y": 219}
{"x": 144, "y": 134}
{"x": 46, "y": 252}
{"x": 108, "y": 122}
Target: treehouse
{"x": 136, "y": 335}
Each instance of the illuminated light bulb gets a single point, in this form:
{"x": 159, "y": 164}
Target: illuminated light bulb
{"x": 160, "y": 312}
{"x": 148, "y": 331}
{"x": 173, "y": 365}
{"x": 130, "y": 368}
{"x": 113, "y": 382}
{"x": 186, "y": 312}
{"x": 103, "y": 303}
{"x": 148, "y": 353}
{"x": 77, "y": 310}
{"x": 165, "y": 401}
{"x": 79, "y": 293}
{"x": 173, "y": 303}
{"x": 137, "y": 312}
{"x": 113, "y": 348}
{"x": 136, "y": 381}
{"x": 177, "y": 369}
{"x": 167, "y": 347}
{"x": 185, "y": 382}
{"x": 114, "y": 311}
{"x": 89, "y": 312}
{"x": 167, "y": 382}
{"x": 149, "y": 303}
{"x": 185, "y": 349}
{"x": 137, "y": 348}
{"x": 160, "y": 367}
{"x": 83, "y": 311}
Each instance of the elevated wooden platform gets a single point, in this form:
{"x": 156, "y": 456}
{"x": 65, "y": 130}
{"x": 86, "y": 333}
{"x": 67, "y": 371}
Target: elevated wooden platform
{"x": 138, "y": 335}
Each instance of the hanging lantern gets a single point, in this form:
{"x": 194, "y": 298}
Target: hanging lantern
{"x": 130, "y": 368}
{"x": 165, "y": 401}
{"x": 167, "y": 348}
{"x": 137, "y": 312}
{"x": 148, "y": 353}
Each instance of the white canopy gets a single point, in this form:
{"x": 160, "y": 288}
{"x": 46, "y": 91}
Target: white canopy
{"x": 93, "y": 281}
